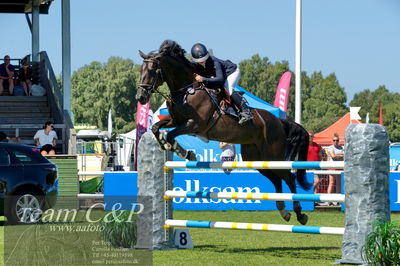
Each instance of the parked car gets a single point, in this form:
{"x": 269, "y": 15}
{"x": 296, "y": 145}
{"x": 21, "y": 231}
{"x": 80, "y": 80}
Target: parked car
{"x": 28, "y": 183}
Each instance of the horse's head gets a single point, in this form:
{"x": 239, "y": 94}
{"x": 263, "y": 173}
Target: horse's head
{"x": 150, "y": 76}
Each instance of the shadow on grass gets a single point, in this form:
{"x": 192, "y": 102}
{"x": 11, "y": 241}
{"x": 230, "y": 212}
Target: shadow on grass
{"x": 293, "y": 252}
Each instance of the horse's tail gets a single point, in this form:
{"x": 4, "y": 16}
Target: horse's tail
{"x": 297, "y": 148}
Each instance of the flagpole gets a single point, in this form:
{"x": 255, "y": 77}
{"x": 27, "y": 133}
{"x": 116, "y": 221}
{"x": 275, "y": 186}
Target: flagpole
{"x": 298, "y": 64}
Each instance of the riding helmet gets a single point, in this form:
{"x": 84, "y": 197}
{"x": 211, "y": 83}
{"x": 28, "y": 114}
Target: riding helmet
{"x": 199, "y": 53}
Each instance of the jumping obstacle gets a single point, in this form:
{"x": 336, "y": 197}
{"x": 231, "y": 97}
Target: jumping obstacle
{"x": 366, "y": 169}
{"x": 256, "y": 165}
{"x": 256, "y": 227}
{"x": 169, "y": 194}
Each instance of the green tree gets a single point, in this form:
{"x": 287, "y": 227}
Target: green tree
{"x": 326, "y": 103}
{"x": 261, "y": 77}
{"x": 97, "y": 87}
{"x": 370, "y": 102}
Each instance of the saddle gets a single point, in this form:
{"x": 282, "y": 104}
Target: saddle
{"x": 226, "y": 104}
{"x": 221, "y": 99}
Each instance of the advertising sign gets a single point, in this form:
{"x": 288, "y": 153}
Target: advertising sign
{"x": 125, "y": 184}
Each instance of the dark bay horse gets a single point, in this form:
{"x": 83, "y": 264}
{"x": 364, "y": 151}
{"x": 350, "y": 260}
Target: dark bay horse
{"x": 192, "y": 111}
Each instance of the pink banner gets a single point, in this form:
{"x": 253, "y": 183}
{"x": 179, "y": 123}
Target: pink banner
{"x": 282, "y": 92}
{"x": 142, "y": 115}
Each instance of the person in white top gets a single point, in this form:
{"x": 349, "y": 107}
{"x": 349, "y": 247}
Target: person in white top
{"x": 46, "y": 139}
{"x": 228, "y": 154}
{"x": 336, "y": 153}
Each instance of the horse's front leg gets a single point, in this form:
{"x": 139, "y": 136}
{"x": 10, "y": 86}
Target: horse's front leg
{"x": 186, "y": 128}
{"x": 166, "y": 122}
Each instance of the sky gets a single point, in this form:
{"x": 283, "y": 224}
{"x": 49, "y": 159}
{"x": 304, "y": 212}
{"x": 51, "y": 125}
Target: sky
{"x": 358, "y": 40}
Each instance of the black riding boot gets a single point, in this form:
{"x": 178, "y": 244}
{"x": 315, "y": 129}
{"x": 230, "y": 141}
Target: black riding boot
{"x": 240, "y": 102}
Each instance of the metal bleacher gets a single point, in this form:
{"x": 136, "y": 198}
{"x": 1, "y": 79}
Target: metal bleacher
{"x": 22, "y": 116}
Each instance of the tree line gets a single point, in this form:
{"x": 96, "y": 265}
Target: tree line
{"x": 98, "y": 87}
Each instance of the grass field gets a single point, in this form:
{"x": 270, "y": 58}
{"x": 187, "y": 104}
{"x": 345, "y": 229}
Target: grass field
{"x": 229, "y": 247}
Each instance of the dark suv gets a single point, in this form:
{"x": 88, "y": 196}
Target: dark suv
{"x": 28, "y": 183}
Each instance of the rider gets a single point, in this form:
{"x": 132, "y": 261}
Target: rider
{"x": 216, "y": 73}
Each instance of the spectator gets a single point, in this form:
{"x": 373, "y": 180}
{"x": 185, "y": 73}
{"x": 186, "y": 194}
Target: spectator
{"x": 7, "y": 74}
{"x": 336, "y": 153}
{"x": 25, "y": 77}
{"x": 46, "y": 139}
{"x": 5, "y": 138}
{"x": 314, "y": 154}
{"x": 228, "y": 154}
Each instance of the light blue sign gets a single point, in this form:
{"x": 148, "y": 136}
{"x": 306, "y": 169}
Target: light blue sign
{"x": 394, "y": 191}
{"x": 125, "y": 185}
{"x": 237, "y": 181}
{"x": 394, "y": 153}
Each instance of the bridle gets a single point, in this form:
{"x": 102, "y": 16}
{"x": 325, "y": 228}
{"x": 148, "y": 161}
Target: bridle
{"x": 159, "y": 76}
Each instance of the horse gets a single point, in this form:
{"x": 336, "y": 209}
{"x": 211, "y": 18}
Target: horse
{"x": 193, "y": 111}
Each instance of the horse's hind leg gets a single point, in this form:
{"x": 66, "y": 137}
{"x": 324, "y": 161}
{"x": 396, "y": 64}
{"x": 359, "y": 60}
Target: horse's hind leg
{"x": 301, "y": 217}
{"x": 277, "y": 182}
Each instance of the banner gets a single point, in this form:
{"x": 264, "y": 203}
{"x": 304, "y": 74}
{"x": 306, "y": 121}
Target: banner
{"x": 282, "y": 92}
{"x": 142, "y": 120}
{"x": 124, "y": 184}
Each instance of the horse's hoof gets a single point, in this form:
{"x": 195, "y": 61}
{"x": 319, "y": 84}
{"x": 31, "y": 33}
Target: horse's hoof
{"x": 286, "y": 215}
{"x": 191, "y": 156}
{"x": 167, "y": 146}
{"x": 303, "y": 219}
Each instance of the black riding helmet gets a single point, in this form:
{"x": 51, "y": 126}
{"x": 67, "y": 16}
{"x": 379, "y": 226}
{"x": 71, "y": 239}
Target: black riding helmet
{"x": 199, "y": 53}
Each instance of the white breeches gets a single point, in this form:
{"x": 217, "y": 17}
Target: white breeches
{"x": 232, "y": 80}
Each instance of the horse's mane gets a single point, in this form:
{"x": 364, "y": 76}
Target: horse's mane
{"x": 171, "y": 48}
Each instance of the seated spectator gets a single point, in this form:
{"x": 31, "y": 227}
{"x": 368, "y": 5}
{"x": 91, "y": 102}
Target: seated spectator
{"x": 46, "y": 139}
{"x": 7, "y": 75}
{"x": 25, "y": 77}
{"x": 5, "y": 138}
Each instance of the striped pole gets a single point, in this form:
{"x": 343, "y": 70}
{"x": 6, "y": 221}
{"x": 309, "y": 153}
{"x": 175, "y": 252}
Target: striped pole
{"x": 169, "y": 194}
{"x": 256, "y": 227}
{"x": 256, "y": 165}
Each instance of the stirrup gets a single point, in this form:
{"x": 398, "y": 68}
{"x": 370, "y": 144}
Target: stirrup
{"x": 244, "y": 119}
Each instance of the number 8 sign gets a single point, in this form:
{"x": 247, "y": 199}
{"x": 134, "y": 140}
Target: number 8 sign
{"x": 182, "y": 238}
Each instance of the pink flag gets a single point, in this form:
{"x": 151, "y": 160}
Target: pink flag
{"x": 142, "y": 115}
{"x": 282, "y": 92}
{"x": 380, "y": 115}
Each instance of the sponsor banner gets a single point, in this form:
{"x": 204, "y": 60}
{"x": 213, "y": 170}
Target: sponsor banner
{"x": 282, "y": 92}
{"x": 124, "y": 184}
{"x": 394, "y": 191}
{"x": 142, "y": 120}
{"x": 236, "y": 181}
{"x": 394, "y": 152}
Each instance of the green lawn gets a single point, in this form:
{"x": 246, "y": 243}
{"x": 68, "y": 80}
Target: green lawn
{"x": 229, "y": 247}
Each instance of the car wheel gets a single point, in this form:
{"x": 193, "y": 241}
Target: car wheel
{"x": 25, "y": 207}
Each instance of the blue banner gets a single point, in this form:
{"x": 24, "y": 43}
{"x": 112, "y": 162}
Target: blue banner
{"x": 394, "y": 191}
{"x": 125, "y": 184}
{"x": 236, "y": 181}
{"x": 394, "y": 152}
